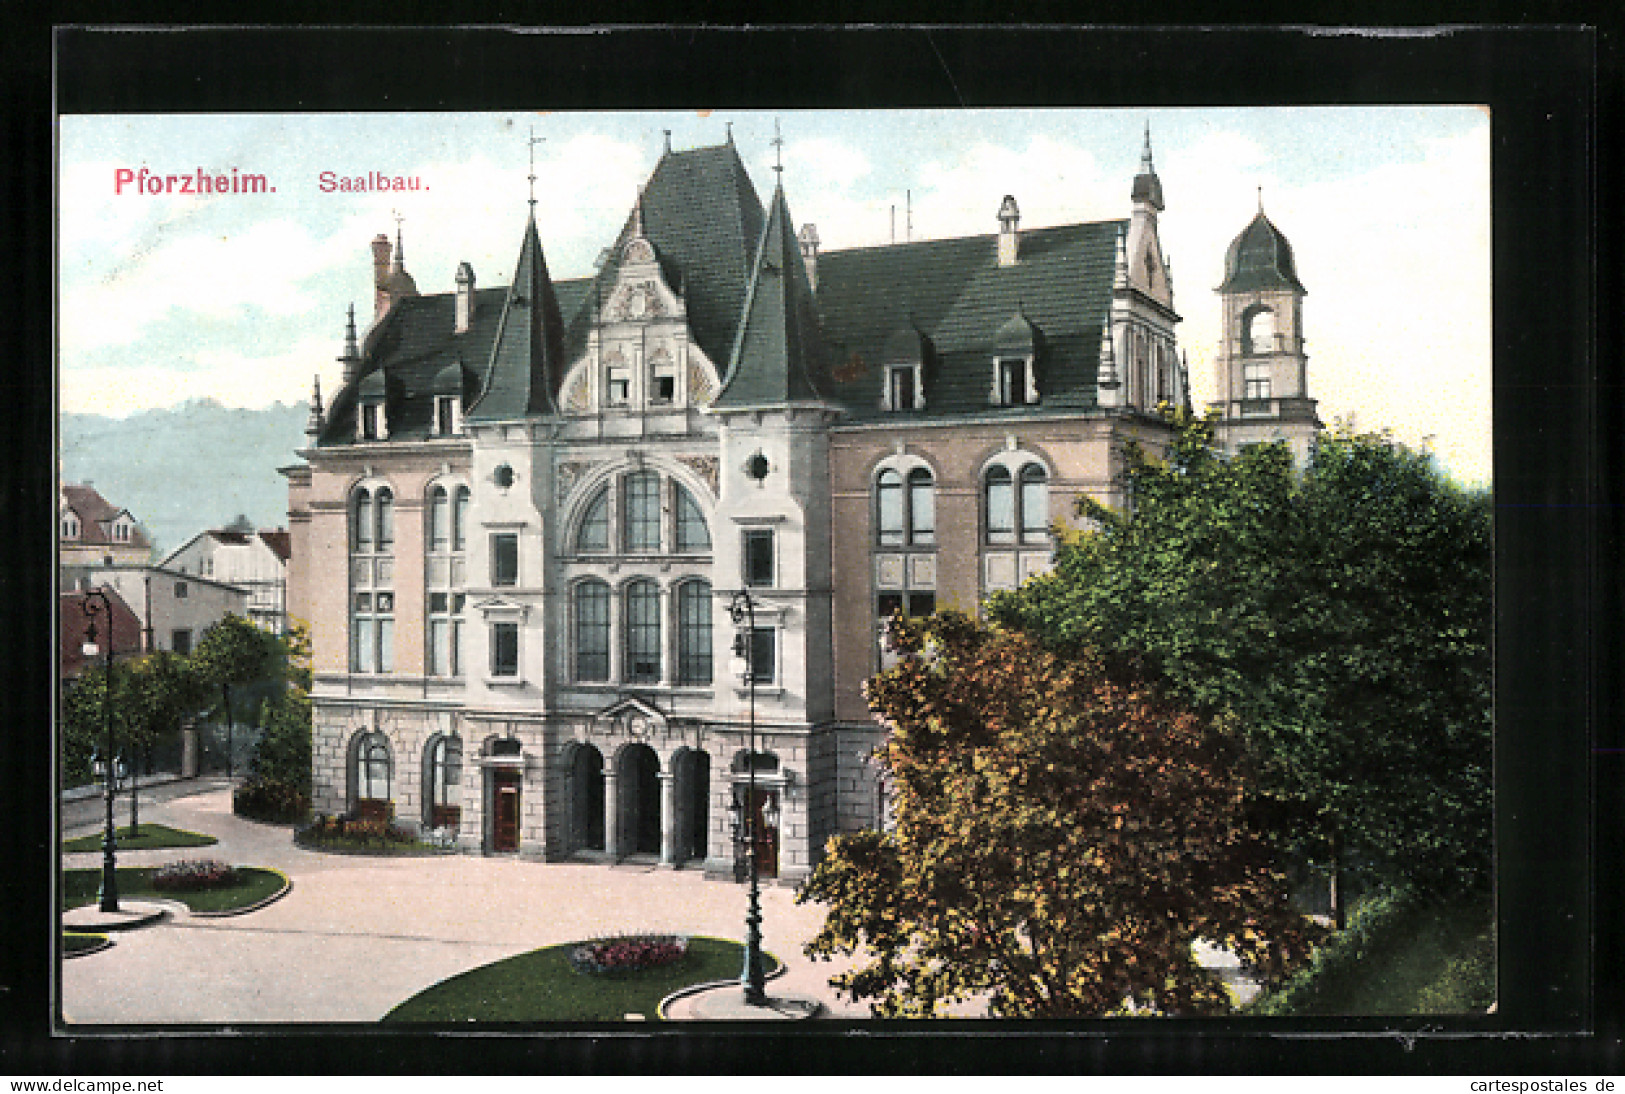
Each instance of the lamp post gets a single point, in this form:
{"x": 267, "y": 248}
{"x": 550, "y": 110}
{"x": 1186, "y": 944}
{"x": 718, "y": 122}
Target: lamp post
{"x": 108, "y": 895}
{"x": 743, "y": 610}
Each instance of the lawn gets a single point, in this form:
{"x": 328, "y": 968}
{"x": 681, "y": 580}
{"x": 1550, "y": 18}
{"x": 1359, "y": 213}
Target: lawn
{"x": 79, "y": 888}
{"x": 74, "y": 942}
{"x": 540, "y": 986}
{"x": 153, "y": 837}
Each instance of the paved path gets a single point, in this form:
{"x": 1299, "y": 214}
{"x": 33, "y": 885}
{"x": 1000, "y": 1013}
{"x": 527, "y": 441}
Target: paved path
{"x": 359, "y": 935}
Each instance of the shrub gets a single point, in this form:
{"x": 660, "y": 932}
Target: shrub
{"x": 627, "y": 954}
{"x": 193, "y": 875}
{"x": 1370, "y": 927}
{"x": 269, "y": 799}
{"x": 355, "y": 833}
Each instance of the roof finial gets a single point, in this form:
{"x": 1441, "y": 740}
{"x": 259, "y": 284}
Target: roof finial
{"x": 1260, "y": 200}
{"x": 313, "y": 424}
{"x": 1145, "y": 155}
{"x": 534, "y": 141}
{"x": 667, "y": 132}
{"x": 400, "y": 248}
{"x": 730, "y": 126}
{"x": 778, "y": 151}
{"x": 350, "y": 349}
{"x": 637, "y": 214}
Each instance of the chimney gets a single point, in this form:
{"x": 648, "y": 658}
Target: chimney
{"x": 809, "y": 252}
{"x": 1009, "y": 218}
{"x": 465, "y": 296}
{"x": 380, "y": 276}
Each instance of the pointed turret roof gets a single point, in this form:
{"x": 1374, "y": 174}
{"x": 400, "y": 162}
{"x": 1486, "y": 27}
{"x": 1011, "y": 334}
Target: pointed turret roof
{"x": 1147, "y": 186}
{"x": 527, "y": 361}
{"x": 778, "y": 354}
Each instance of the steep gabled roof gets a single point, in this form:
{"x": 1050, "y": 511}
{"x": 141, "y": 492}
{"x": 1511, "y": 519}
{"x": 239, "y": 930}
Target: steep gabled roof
{"x": 280, "y": 542}
{"x": 96, "y": 516}
{"x": 778, "y": 352}
{"x": 956, "y": 293}
{"x": 71, "y": 621}
{"x": 1260, "y": 258}
{"x": 527, "y": 362}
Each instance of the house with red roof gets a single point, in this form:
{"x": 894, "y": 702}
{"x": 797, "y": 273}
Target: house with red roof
{"x": 92, "y": 531}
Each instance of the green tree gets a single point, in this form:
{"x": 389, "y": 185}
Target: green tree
{"x": 234, "y": 653}
{"x": 1063, "y": 835}
{"x": 279, "y": 783}
{"x": 160, "y": 691}
{"x": 1339, "y": 615}
{"x": 84, "y": 717}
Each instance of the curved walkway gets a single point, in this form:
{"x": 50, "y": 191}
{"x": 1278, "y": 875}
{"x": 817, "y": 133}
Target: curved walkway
{"x": 357, "y": 936}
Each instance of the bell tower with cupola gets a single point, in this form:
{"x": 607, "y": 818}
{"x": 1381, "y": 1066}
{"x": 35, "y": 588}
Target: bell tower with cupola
{"x": 1262, "y": 380}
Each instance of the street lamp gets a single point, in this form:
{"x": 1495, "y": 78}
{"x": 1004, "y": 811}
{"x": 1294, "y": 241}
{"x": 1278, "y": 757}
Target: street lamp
{"x": 108, "y": 895}
{"x": 743, "y": 611}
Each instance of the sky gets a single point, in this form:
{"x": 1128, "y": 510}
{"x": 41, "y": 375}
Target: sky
{"x": 241, "y": 297}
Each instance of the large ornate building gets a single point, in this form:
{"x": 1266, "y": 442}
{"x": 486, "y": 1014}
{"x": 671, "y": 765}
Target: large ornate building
{"x": 522, "y": 520}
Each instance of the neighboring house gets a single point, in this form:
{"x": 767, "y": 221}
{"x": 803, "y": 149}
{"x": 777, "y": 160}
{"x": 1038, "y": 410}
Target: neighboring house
{"x": 173, "y": 609}
{"x": 521, "y": 521}
{"x": 91, "y": 531}
{"x": 248, "y": 559}
{"x": 73, "y": 623}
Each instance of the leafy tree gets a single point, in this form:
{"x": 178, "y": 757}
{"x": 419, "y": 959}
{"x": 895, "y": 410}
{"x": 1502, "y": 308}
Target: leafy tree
{"x": 1340, "y": 616}
{"x": 235, "y": 653}
{"x": 84, "y": 717}
{"x": 1063, "y": 835}
{"x": 161, "y": 690}
{"x": 279, "y": 783}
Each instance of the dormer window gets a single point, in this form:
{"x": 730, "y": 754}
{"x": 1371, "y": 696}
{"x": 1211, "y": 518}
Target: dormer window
{"x": 371, "y": 425}
{"x": 903, "y": 388}
{"x": 1015, "y": 382}
{"x": 448, "y": 416}
{"x": 70, "y": 526}
{"x": 121, "y": 532}
{"x": 662, "y": 378}
{"x": 620, "y": 387}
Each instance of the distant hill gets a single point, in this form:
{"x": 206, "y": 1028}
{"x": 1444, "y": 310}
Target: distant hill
{"x": 187, "y": 468}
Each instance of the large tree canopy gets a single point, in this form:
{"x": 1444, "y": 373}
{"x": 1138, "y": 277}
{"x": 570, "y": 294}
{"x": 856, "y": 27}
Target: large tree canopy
{"x": 1339, "y": 614}
{"x": 1063, "y": 834}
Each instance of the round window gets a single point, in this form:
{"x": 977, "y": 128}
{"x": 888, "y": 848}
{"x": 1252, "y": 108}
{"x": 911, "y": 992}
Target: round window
{"x": 503, "y": 476}
{"x": 756, "y": 467}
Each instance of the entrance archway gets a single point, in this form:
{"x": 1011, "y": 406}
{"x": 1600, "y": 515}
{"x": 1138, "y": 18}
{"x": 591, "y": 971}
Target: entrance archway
{"x": 587, "y": 799}
{"x": 693, "y": 773}
{"x": 639, "y": 794}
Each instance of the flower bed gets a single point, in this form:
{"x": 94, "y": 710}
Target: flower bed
{"x": 193, "y": 875}
{"x": 626, "y": 954}
{"x": 348, "y": 833}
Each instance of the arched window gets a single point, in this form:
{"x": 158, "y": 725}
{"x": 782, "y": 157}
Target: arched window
{"x": 922, "y": 506}
{"x": 459, "y": 518}
{"x": 594, "y": 535}
{"x": 442, "y": 789}
{"x": 361, "y": 537}
{"x": 1001, "y": 504}
{"x": 386, "y": 519}
{"x": 692, "y": 532}
{"x": 889, "y": 507}
{"x": 439, "y": 519}
{"x": 592, "y": 631}
{"x": 1034, "y": 503}
{"x": 372, "y": 581}
{"x": 642, "y": 532}
{"x": 372, "y": 768}
{"x": 1258, "y": 331}
{"x": 905, "y": 515}
{"x": 642, "y": 632}
{"x": 694, "y": 632}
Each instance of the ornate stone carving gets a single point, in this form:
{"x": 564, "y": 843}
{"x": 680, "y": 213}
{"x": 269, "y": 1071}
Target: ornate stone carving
{"x": 570, "y": 472}
{"x": 704, "y": 466}
{"x": 700, "y": 390}
{"x": 578, "y": 398}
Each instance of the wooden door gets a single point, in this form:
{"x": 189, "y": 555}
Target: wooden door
{"x": 505, "y": 826}
{"x": 767, "y": 844}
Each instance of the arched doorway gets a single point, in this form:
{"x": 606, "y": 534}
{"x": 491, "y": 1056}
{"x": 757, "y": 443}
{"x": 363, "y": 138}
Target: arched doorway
{"x": 587, "y": 799}
{"x": 639, "y": 794}
{"x": 693, "y": 773}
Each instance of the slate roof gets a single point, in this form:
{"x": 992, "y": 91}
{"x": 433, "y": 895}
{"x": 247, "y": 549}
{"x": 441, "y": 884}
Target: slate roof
{"x": 1260, "y": 258}
{"x": 96, "y": 515}
{"x": 778, "y": 354}
{"x": 955, "y": 292}
{"x": 751, "y": 309}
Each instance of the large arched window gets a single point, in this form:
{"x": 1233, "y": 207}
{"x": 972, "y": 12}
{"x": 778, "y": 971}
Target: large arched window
{"x": 372, "y": 581}
{"x": 905, "y": 507}
{"x": 1258, "y": 331}
{"x": 459, "y": 518}
{"x": 372, "y": 768}
{"x": 439, "y": 519}
{"x": 642, "y": 632}
{"x": 591, "y": 631}
{"x": 1017, "y": 505}
{"x": 694, "y": 632}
